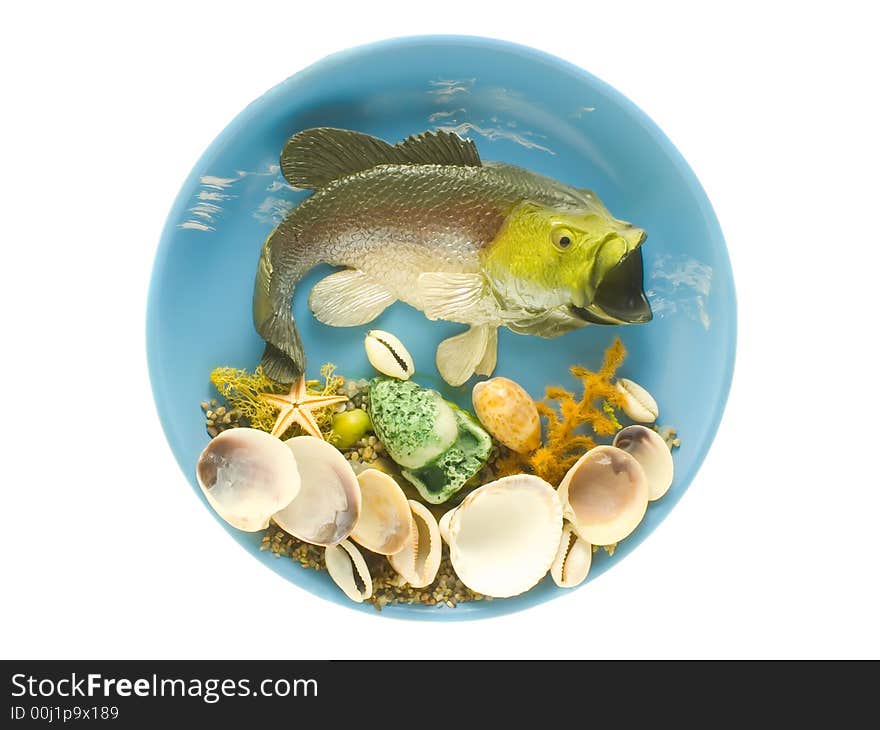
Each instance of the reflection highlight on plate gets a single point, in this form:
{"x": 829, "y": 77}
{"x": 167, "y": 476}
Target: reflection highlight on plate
{"x": 681, "y": 285}
{"x": 462, "y": 122}
{"x": 215, "y": 191}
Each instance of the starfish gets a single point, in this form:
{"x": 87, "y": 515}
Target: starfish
{"x": 297, "y": 406}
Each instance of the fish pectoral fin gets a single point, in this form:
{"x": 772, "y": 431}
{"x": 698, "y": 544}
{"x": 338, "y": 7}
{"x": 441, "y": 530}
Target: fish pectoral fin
{"x": 465, "y": 298}
{"x": 486, "y": 366}
{"x": 460, "y": 356}
{"x": 348, "y": 298}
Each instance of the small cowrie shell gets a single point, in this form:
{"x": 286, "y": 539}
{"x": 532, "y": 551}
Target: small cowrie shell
{"x": 573, "y": 559}
{"x": 638, "y": 403}
{"x": 388, "y": 355}
{"x": 343, "y": 561}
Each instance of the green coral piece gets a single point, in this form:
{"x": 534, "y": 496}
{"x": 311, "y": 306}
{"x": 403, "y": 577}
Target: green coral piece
{"x": 407, "y": 414}
{"x": 439, "y": 446}
{"x": 441, "y": 478}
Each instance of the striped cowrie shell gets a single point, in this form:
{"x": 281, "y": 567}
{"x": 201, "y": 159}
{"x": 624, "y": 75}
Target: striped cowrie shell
{"x": 388, "y": 355}
{"x": 638, "y": 403}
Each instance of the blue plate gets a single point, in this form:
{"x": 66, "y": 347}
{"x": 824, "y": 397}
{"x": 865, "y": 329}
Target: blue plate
{"x": 520, "y": 106}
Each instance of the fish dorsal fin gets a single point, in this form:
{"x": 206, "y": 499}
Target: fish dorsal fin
{"x": 439, "y": 148}
{"x": 314, "y": 157}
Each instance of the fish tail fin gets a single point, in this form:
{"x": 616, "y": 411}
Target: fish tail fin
{"x": 284, "y": 359}
{"x": 280, "y": 366}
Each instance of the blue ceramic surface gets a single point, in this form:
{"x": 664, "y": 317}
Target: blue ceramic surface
{"x": 521, "y": 107}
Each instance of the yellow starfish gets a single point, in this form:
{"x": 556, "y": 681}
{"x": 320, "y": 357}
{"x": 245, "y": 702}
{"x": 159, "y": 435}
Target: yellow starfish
{"x": 297, "y": 407}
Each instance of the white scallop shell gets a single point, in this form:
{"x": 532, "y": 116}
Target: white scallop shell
{"x": 605, "y": 495}
{"x": 649, "y": 449}
{"x": 504, "y": 536}
{"x": 385, "y": 522}
{"x": 443, "y": 525}
{"x": 329, "y": 502}
{"x": 247, "y": 476}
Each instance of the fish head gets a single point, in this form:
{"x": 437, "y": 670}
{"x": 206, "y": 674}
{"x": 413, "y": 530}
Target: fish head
{"x": 580, "y": 258}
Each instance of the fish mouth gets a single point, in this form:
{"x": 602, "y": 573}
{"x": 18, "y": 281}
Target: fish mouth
{"x": 620, "y": 297}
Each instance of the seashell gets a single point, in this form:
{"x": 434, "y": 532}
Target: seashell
{"x": 638, "y": 403}
{"x": 329, "y": 502}
{"x": 508, "y": 413}
{"x": 605, "y": 495}
{"x": 573, "y": 559}
{"x": 385, "y": 521}
{"x": 443, "y": 525}
{"x": 419, "y": 560}
{"x": 348, "y": 568}
{"x": 649, "y": 449}
{"x": 504, "y": 536}
{"x": 388, "y": 355}
{"x": 247, "y": 476}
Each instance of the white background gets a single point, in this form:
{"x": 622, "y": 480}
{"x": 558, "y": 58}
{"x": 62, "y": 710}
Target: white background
{"x": 107, "y": 553}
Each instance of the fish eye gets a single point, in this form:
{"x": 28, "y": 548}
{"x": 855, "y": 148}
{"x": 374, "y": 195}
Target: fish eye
{"x": 562, "y": 238}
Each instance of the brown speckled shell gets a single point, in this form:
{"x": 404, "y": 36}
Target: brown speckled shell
{"x": 508, "y": 412}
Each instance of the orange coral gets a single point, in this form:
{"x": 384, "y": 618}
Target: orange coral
{"x": 564, "y": 444}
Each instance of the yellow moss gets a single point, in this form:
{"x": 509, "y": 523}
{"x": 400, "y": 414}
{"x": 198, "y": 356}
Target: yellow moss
{"x": 565, "y": 418}
{"x": 242, "y": 389}
{"x": 607, "y": 548}
{"x": 612, "y": 416}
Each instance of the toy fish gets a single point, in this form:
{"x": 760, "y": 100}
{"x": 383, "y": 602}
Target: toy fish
{"x": 425, "y": 222}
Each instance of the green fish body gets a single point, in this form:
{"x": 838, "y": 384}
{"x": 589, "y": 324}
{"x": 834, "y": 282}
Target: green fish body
{"x": 427, "y": 223}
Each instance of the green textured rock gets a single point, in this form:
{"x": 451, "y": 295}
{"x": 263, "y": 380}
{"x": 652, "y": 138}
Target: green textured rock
{"x": 439, "y": 446}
